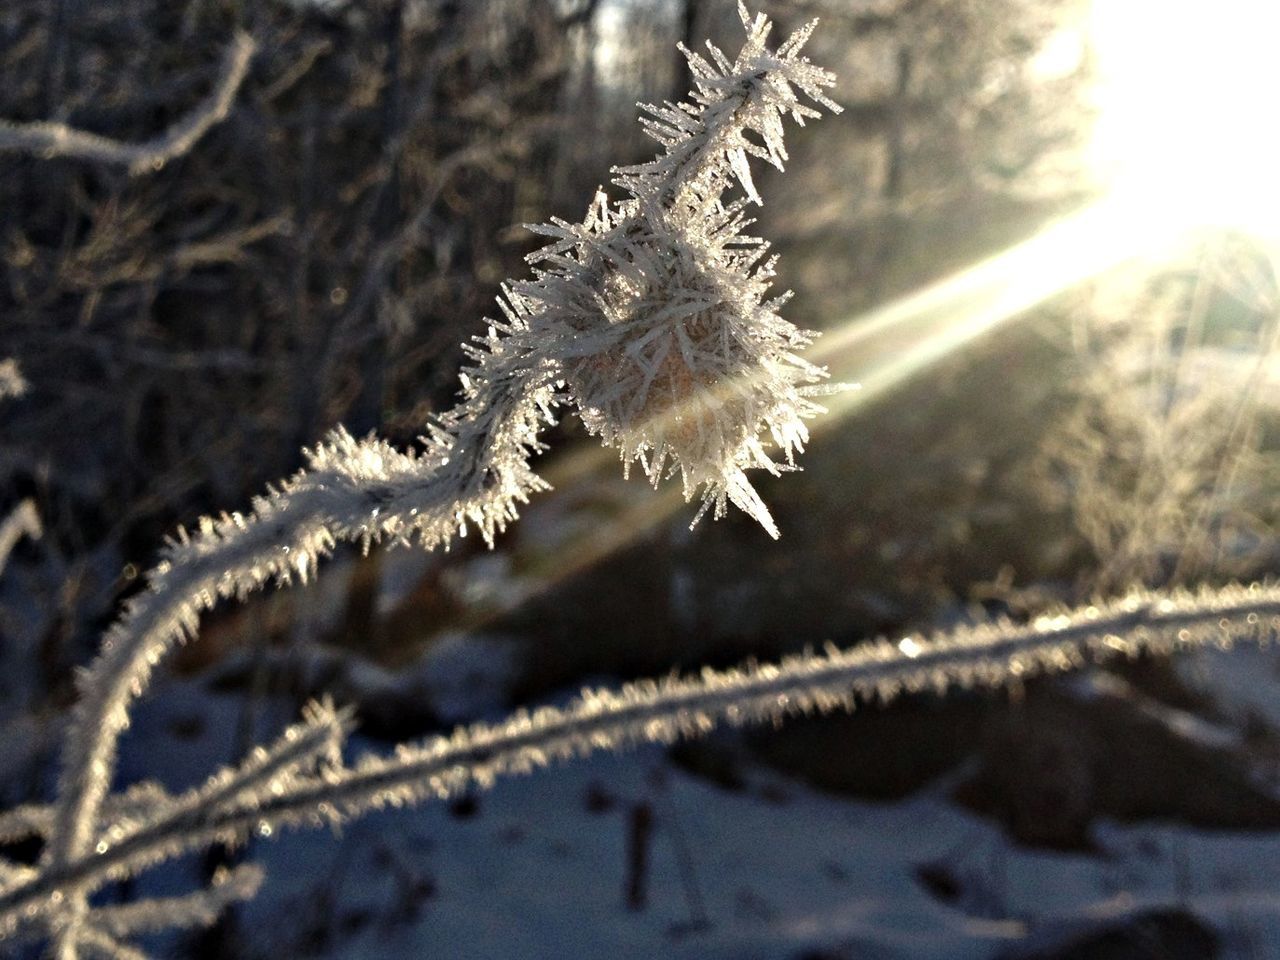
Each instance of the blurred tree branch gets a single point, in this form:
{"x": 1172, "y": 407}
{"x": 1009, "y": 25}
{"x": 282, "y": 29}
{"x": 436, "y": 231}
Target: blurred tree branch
{"x": 48, "y": 140}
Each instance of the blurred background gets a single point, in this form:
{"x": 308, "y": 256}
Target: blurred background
{"x": 1041, "y": 239}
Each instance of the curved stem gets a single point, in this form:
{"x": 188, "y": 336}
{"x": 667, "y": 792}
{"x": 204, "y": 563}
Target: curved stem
{"x": 357, "y": 490}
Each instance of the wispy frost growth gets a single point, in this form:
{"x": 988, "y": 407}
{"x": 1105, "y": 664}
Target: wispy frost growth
{"x": 301, "y": 781}
{"x": 199, "y": 909}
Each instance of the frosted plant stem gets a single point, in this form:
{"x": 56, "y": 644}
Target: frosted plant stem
{"x": 357, "y": 490}
{"x": 665, "y": 710}
{"x": 101, "y": 945}
{"x": 198, "y": 909}
{"x": 642, "y": 309}
{"x": 284, "y": 538}
{"x": 652, "y": 317}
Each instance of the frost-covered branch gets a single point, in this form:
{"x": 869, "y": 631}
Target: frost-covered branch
{"x": 97, "y": 943}
{"x": 989, "y": 654}
{"x": 199, "y": 909}
{"x": 474, "y": 470}
{"x": 106, "y": 928}
{"x": 48, "y": 139}
{"x": 272, "y": 771}
{"x": 657, "y": 327}
{"x": 651, "y": 317}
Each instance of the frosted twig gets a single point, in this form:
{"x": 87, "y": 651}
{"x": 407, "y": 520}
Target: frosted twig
{"x": 12, "y": 874}
{"x": 268, "y": 771}
{"x": 665, "y": 710}
{"x": 99, "y": 943}
{"x": 668, "y": 709}
{"x": 638, "y": 318}
{"x": 360, "y": 490}
{"x": 49, "y": 139}
{"x": 199, "y": 909}
{"x": 651, "y": 317}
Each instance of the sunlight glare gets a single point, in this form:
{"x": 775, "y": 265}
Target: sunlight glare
{"x": 1186, "y": 95}
{"x": 886, "y": 346}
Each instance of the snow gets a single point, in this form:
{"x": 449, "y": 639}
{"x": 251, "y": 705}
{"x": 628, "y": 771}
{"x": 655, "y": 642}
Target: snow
{"x": 1244, "y": 682}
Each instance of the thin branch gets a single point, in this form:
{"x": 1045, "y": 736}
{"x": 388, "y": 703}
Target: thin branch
{"x": 357, "y": 490}
{"x": 99, "y": 943}
{"x": 662, "y": 711}
{"x": 199, "y": 909}
{"x": 48, "y": 139}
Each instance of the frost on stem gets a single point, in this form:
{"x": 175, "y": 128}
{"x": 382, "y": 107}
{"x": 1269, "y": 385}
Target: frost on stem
{"x": 301, "y": 781}
{"x": 651, "y": 317}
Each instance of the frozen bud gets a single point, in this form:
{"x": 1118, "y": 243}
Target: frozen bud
{"x": 655, "y": 309}
{"x": 672, "y": 353}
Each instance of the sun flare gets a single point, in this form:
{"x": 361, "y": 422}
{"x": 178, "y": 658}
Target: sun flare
{"x": 1186, "y": 99}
